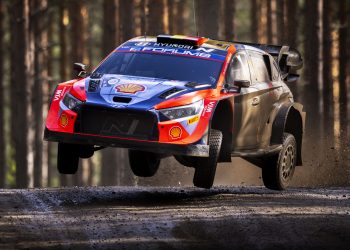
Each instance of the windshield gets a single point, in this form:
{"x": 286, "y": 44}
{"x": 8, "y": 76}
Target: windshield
{"x": 181, "y": 68}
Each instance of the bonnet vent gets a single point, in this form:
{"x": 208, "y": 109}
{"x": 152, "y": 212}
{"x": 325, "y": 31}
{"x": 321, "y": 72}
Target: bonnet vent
{"x": 171, "y": 92}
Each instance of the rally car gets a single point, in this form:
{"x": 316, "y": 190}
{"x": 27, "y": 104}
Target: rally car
{"x": 202, "y": 101}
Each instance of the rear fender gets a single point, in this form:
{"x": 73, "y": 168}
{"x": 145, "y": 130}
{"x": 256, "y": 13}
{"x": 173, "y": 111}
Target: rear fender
{"x": 290, "y": 118}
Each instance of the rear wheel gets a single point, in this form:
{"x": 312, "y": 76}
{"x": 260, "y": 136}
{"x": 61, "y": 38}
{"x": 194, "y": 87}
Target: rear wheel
{"x": 143, "y": 164}
{"x": 206, "y": 166}
{"x": 278, "y": 170}
{"x": 67, "y": 158}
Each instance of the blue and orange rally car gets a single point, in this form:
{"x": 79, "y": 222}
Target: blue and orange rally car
{"x": 199, "y": 100}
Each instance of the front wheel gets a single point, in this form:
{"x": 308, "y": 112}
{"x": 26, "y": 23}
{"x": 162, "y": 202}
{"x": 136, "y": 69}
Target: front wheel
{"x": 67, "y": 158}
{"x": 143, "y": 164}
{"x": 278, "y": 170}
{"x": 206, "y": 166}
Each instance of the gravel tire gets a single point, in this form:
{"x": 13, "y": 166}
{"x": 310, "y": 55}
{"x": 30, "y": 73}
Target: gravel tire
{"x": 143, "y": 164}
{"x": 278, "y": 170}
{"x": 67, "y": 158}
{"x": 206, "y": 166}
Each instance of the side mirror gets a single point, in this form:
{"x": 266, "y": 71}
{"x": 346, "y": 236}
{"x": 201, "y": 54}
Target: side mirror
{"x": 80, "y": 68}
{"x": 242, "y": 83}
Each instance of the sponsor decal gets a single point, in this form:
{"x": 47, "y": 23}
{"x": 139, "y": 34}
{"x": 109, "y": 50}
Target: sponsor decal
{"x": 209, "y": 107}
{"x": 59, "y": 93}
{"x": 143, "y": 44}
{"x": 205, "y": 50}
{"x": 173, "y": 45}
{"x": 113, "y": 81}
{"x": 181, "y": 46}
{"x": 172, "y": 51}
{"x": 130, "y": 88}
{"x": 64, "y": 120}
{"x": 193, "y": 120}
{"x": 175, "y": 132}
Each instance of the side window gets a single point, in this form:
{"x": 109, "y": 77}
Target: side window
{"x": 262, "y": 75}
{"x": 238, "y": 69}
{"x": 275, "y": 71}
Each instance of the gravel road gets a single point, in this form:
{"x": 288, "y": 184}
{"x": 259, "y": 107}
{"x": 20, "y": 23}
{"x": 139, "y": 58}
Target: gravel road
{"x": 174, "y": 218}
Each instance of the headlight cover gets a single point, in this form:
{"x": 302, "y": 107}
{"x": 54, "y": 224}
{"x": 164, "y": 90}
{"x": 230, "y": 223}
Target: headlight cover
{"x": 71, "y": 102}
{"x": 181, "y": 111}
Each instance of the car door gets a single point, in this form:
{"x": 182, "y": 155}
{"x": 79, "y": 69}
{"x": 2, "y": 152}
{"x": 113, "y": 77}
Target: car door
{"x": 267, "y": 84}
{"x": 246, "y": 108}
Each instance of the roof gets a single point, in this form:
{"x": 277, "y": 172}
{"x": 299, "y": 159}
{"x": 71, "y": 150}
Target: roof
{"x": 208, "y": 43}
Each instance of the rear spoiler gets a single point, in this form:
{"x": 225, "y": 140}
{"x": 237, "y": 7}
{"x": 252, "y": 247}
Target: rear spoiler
{"x": 288, "y": 59}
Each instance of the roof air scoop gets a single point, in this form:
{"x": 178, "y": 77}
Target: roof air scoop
{"x": 191, "y": 41}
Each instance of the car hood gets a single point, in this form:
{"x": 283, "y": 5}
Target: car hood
{"x": 122, "y": 91}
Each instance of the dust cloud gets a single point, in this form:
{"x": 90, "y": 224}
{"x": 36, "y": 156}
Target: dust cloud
{"x": 326, "y": 163}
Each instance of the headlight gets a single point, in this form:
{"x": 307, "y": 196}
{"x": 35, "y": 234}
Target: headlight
{"x": 71, "y": 102}
{"x": 181, "y": 112}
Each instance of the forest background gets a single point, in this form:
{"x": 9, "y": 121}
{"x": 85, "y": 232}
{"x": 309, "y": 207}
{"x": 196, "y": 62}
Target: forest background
{"x": 41, "y": 39}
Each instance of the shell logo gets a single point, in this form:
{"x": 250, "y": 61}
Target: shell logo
{"x": 130, "y": 88}
{"x": 175, "y": 132}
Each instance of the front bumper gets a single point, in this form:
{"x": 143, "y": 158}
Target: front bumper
{"x": 111, "y": 141}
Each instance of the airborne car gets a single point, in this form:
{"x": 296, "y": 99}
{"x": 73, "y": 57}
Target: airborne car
{"x": 199, "y": 100}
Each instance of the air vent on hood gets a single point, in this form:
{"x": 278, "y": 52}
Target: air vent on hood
{"x": 169, "y": 93}
{"x": 122, "y": 99}
{"x": 93, "y": 85}
{"x": 196, "y": 85}
{"x": 96, "y": 75}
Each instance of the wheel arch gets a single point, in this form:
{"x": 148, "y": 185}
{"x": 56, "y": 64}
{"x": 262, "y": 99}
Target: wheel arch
{"x": 222, "y": 119}
{"x": 289, "y": 119}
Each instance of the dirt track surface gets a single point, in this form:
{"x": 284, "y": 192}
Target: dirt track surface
{"x": 174, "y": 218}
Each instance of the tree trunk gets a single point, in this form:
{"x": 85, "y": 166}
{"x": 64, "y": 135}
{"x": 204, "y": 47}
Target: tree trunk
{"x": 254, "y": 17}
{"x": 327, "y": 91}
{"x": 292, "y": 33}
{"x": 229, "y": 13}
{"x": 343, "y": 49}
{"x": 109, "y": 157}
{"x": 39, "y": 22}
{"x": 49, "y": 88}
{"x": 63, "y": 41}
{"x": 269, "y": 21}
{"x": 292, "y": 23}
{"x": 155, "y": 25}
{"x": 76, "y": 52}
{"x": 126, "y": 10}
{"x": 207, "y": 27}
{"x": 2, "y": 127}
{"x": 18, "y": 89}
{"x": 63, "y": 57}
{"x": 311, "y": 55}
{"x": 109, "y": 164}
{"x": 171, "y": 17}
{"x": 76, "y": 30}
{"x": 143, "y": 24}
{"x": 179, "y": 19}
{"x": 109, "y": 27}
{"x": 280, "y": 21}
